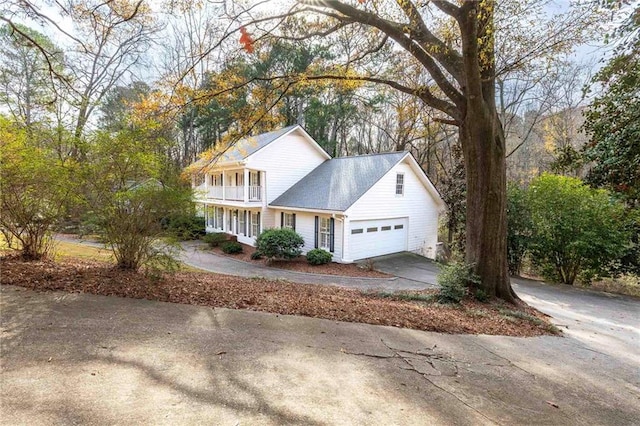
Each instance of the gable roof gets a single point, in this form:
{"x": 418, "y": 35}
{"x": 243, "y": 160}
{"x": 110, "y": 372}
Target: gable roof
{"x": 246, "y": 147}
{"x": 338, "y": 183}
{"x": 250, "y": 144}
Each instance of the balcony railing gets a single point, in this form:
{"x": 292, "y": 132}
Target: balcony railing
{"x": 255, "y": 193}
{"x": 235, "y": 193}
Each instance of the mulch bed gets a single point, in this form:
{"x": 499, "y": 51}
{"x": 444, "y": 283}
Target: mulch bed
{"x": 300, "y": 265}
{"x": 334, "y": 303}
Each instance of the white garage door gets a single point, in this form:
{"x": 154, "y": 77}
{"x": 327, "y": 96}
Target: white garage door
{"x": 369, "y": 238}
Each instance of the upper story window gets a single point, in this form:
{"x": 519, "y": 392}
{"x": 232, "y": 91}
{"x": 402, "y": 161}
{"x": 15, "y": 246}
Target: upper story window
{"x": 216, "y": 180}
{"x": 400, "y": 184}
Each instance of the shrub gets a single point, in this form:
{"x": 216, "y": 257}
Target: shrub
{"x": 231, "y": 247}
{"x": 576, "y": 228}
{"x": 186, "y": 227}
{"x": 215, "y": 239}
{"x": 279, "y": 243}
{"x": 454, "y": 280}
{"x": 519, "y": 228}
{"x": 318, "y": 257}
{"x": 256, "y": 255}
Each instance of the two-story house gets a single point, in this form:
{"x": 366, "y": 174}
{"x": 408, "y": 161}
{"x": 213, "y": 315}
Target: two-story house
{"x": 355, "y": 207}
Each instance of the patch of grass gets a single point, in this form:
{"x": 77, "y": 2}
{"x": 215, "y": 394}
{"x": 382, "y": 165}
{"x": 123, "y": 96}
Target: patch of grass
{"x": 513, "y": 315}
{"x": 65, "y": 249}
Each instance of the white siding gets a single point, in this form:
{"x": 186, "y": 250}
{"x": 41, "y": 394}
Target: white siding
{"x": 285, "y": 161}
{"x": 305, "y": 226}
{"x": 417, "y": 204}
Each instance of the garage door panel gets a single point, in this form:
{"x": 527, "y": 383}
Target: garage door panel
{"x": 371, "y": 238}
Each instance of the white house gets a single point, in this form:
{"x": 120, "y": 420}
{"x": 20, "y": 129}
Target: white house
{"x": 355, "y": 207}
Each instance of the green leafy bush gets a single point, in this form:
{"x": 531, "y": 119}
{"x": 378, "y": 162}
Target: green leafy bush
{"x": 186, "y": 227}
{"x": 318, "y": 257}
{"x": 454, "y": 280}
{"x": 215, "y": 238}
{"x": 279, "y": 243}
{"x": 519, "y": 228}
{"x": 576, "y": 228}
{"x": 256, "y": 255}
{"x": 231, "y": 247}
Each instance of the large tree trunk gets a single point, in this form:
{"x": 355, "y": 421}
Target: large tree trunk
{"x": 483, "y": 143}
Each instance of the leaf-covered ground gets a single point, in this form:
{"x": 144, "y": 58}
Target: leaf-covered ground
{"x": 282, "y": 297}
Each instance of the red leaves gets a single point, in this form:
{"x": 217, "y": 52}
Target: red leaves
{"x": 245, "y": 40}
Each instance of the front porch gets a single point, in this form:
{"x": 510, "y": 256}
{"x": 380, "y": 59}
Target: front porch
{"x": 245, "y": 224}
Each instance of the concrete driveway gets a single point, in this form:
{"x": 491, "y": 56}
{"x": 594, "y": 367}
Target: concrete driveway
{"x": 85, "y": 359}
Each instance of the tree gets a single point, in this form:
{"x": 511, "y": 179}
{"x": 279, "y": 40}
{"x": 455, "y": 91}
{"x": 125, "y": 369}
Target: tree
{"x": 575, "y": 228}
{"x": 463, "y": 87}
{"x": 36, "y": 190}
{"x": 613, "y": 127}
{"x": 129, "y": 196}
{"x": 25, "y": 82}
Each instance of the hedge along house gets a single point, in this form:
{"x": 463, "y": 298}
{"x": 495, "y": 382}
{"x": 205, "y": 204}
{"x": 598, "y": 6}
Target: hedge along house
{"x": 354, "y": 207}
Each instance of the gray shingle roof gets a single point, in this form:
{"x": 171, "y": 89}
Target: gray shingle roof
{"x": 247, "y": 146}
{"x": 338, "y": 183}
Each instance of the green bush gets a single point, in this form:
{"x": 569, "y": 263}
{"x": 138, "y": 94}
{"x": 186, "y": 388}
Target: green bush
{"x": 454, "y": 280}
{"x": 256, "y": 255}
{"x": 519, "y": 228}
{"x": 186, "y": 227}
{"x": 318, "y": 257}
{"x": 279, "y": 243}
{"x": 215, "y": 238}
{"x": 231, "y": 247}
{"x": 576, "y": 228}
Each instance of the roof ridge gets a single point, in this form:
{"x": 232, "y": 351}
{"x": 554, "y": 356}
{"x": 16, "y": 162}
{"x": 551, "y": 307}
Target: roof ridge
{"x": 370, "y": 155}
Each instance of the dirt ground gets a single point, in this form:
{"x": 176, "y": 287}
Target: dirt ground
{"x": 408, "y": 310}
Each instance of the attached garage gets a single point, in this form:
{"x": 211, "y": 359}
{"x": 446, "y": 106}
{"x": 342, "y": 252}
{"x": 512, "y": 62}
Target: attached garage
{"x": 370, "y": 238}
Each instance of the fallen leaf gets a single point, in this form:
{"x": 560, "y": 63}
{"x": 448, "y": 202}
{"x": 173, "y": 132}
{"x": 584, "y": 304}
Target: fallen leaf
{"x": 553, "y": 404}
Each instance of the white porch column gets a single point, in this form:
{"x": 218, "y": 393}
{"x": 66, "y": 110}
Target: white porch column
{"x": 224, "y": 184}
{"x": 245, "y": 185}
{"x": 346, "y": 233}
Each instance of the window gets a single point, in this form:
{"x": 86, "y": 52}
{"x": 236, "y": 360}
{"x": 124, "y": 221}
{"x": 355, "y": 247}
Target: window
{"x": 357, "y": 231}
{"x": 399, "y": 184}
{"x": 385, "y": 228}
{"x": 209, "y": 214}
{"x": 219, "y": 217}
{"x": 374, "y": 229}
{"x": 241, "y": 222}
{"x": 230, "y": 220}
{"x": 325, "y": 233}
{"x": 289, "y": 221}
{"x": 398, "y": 227}
{"x": 255, "y": 224}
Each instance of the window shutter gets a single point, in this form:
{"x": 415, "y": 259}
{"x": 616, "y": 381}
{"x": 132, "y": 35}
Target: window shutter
{"x": 315, "y": 234}
{"x": 245, "y": 223}
{"x": 237, "y": 221}
{"x": 331, "y": 234}
{"x": 281, "y": 219}
{"x": 249, "y": 226}
{"x": 294, "y": 221}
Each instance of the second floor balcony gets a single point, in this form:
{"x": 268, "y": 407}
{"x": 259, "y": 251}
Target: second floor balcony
{"x": 244, "y": 193}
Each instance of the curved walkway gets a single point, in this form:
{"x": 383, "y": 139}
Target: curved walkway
{"x": 196, "y": 255}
